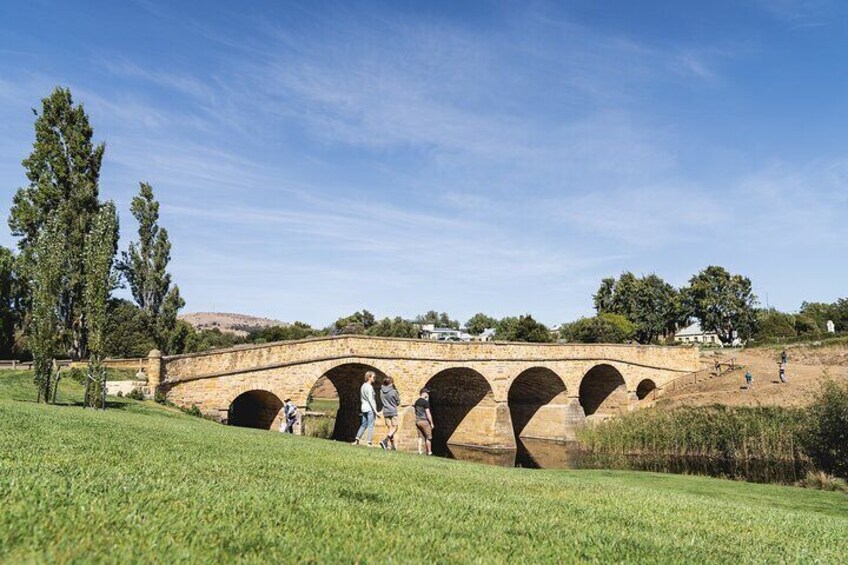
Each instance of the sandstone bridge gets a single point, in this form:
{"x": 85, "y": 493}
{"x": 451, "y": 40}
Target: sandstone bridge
{"x": 484, "y": 394}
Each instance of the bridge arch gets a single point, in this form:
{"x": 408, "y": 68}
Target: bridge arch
{"x": 254, "y": 409}
{"x": 455, "y": 394}
{"x": 336, "y": 393}
{"x": 603, "y": 391}
{"x": 531, "y": 391}
{"x": 644, "y": 388}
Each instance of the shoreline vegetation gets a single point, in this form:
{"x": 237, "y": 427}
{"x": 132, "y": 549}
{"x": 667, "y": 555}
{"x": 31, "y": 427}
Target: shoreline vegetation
{"x": 767, "y": 444}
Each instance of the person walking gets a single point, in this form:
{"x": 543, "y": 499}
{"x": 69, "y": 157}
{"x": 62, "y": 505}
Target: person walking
{"x": 782, "y": 373}
{"x": 749, "y": 379}
{"x": 783, "y": 358}
{"x": 390, "y": 398}
{"x": 290, "y": 415}
{"x": 367, "y": 409}
{"x": 424, "y": 422}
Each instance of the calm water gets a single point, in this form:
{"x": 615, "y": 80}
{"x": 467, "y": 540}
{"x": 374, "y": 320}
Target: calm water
{"x": 531, "y": 453}
{"x": 544, "y": 454}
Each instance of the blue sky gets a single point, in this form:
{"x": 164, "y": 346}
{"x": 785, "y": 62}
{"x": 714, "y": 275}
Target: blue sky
{"x": 315, "y": 158}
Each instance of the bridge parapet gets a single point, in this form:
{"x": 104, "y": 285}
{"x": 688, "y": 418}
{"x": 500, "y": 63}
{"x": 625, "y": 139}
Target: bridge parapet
{"x": 279, "y": 354}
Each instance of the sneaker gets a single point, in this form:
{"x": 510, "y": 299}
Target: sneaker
{"x": 355, "y": 442}
{"x": 370, "y": 445}
{"x": 394, "y": 447}
{"x": 383, "y": 445}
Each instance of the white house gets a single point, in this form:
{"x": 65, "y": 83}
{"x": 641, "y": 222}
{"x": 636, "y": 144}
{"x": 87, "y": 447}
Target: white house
{"x": 694, "y": 334}
{"x": 430, "y": 331}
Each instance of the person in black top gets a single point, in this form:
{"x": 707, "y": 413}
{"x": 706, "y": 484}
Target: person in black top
{"x": 424, "y": 422}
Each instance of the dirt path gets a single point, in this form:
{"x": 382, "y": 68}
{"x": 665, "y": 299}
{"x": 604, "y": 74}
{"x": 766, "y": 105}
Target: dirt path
{"x": 805, "y": 370}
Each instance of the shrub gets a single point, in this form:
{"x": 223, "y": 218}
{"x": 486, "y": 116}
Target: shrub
{"x": 120, "y": 394}
{"x": 159, "y": 397}
{"x": 193, "y": 411}
{"x": 604, "y": 328}
{"x": 135, "y": 394}
{"x": 822, "y": 481}
{"x": 826, "y": 436}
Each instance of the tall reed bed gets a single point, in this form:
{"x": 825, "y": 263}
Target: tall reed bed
{"x": 754, "y": 443}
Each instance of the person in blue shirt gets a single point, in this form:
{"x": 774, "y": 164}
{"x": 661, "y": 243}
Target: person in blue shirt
{"x": 367, "y": 409}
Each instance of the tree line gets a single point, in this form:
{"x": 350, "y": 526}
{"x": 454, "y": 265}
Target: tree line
{"x": 647, "y": 309}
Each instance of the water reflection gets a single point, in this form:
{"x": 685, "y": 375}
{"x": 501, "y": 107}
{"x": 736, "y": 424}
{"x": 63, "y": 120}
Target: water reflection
{"x": 531, "y": 453}
{"x": 547, "y": 454}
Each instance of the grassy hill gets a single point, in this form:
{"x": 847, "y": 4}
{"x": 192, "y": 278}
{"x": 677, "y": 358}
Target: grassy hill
{"x": 140, "y": 482}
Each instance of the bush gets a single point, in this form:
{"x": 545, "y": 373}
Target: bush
{"x": 135, "y": 394}
{"x": 826, "y": 436}
{"x": 604, "y": 328}
{"x": 822, "y": 481}
{"x": 194, "y": 411}
{"x": 159, "y": 397}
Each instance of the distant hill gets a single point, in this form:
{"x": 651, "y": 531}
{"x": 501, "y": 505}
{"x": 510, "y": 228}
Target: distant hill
{"x": 238, "y": 324}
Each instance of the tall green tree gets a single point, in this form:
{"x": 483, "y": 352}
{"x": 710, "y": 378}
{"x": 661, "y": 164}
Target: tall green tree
{"x": 479, "y": 323}
{"x": 101, "y": 246}
{"x": 723, "y": 303}
{"x": 356, "y": 323}
{"x": 653, "y": 305}
{"x": 442, "y": 320}
{"x": 145, "y": 268}
{"x": 523, "y": 328}
{"x": 393, "y": 327}
{"x": 64, "y": 173}
{"x": 11, "y": 302}
{"x": 45, "y": 329}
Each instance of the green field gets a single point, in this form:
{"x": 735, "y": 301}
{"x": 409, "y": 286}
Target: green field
{"x": 142, "y": 483}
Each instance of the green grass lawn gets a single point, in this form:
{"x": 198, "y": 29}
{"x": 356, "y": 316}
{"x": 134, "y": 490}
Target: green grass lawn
{"x": 144, "y": 483}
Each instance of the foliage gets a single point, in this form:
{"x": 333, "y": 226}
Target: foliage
{"x": 723, "y": 303}
{"x": 128, "y": 334}
{"x": 653, "y": 305}
{"x": 603, "y": 328}
{"x": 101, "y": 244}
{"x": 11, "y": 302}
{"x": 59, "y": 465}
{"x": 356, "y": 323}
{"x": 523, "y": 328}
{"x": 773, "y": 326}
{"x": 48, "y": 253}
{"x": 290, "y": 332}
{"x": 63, "y": 172}
{"x": 480, "y": 322}
{"x": 145, "y": 267}
{"x": 442, "y": 320}
{"x": 135, "y": 394}
{"x": 826, "y": 437}
{"x": 204, "y": 340}
{"x": 393, "y": 327}
{"x": 822, "y": 312}
{"x": 734, "y": 436}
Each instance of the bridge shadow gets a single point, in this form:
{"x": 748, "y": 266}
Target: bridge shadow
{"x": 603, "y": 391}
{"x": 454, "y": 393}
{"x": 336, "y": 394}
{"x": 254, "y": 409}
{"x": 530, "y": 391}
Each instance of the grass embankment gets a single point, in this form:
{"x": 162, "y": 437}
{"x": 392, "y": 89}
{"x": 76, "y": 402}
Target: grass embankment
{"x": 144, "y": 483}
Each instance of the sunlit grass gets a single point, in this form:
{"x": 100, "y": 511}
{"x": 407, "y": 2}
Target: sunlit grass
{"x": 142, "y": 483}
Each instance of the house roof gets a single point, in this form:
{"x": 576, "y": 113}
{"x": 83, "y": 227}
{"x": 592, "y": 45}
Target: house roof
{"x": 691, "y": 330}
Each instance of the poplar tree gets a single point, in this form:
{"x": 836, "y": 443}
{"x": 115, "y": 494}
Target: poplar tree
{"x": 10, "y": 302}
{"x": 145, "y": 267}
{"x": 101, "y": 245}
{"x": 64, "y": 173}
{"x": 48, "y": 251}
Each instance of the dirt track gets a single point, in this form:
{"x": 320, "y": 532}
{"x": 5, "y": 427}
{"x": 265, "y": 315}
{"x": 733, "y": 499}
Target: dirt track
{"x": 806, "y": 368}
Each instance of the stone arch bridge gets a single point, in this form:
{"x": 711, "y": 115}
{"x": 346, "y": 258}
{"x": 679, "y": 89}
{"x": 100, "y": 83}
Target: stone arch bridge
{"x": 486, "y": 394}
